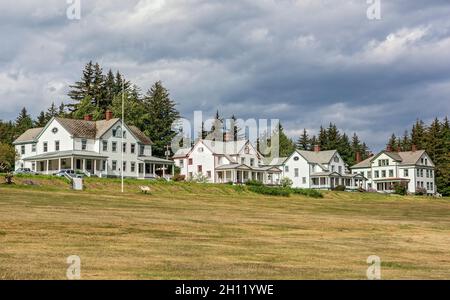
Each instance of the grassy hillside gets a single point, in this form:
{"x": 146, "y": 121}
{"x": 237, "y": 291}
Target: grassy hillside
{"x": 195, "y": 231}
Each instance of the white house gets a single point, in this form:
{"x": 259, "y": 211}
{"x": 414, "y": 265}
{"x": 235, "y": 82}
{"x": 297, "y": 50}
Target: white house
{"x": 92, "y": 147}
{"x": 413, "y": 168}
{"x": 318, "y": 170}
{"x": 223, "y": 162}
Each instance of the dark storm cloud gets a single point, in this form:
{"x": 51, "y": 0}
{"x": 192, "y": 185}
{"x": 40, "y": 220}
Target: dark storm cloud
{"x": 307, "y": 62}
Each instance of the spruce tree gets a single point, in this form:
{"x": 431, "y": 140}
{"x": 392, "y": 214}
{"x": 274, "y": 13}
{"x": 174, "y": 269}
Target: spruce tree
{"x": 303, "y": 142}
{"x": 83, "y": 88}
{"x": 23, "y": 122}
{"x": 160, "y": 114}
{"x": 41, "y": 120}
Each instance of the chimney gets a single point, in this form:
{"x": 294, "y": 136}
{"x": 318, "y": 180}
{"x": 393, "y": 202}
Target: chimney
{"x": 399, "y": 149}
{"x": 389, "y": 148}
{"x": 88, "y": 117}
{"x": 316, "y": 148}
{"x": 358, "y": 157}
{"x": 413, "y": 148}
{"x": 228, "y": 137}
{"x": 108, "y": 115}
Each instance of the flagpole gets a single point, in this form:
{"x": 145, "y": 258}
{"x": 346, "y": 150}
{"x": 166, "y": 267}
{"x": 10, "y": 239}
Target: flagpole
{"x": 123, "y": 120}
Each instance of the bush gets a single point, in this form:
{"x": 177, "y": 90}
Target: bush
{"x": 400, "y": 188}
{"x": 271, "y": 191}
{"x": 254, "y": 183}
{"x": 307, "y": 192}
{"x": 179, "y": 177}
{"x": 286, "y": 182}
{"x": 339, "y": 188}
{"x": 200, "y": 178}
{"x": 9, "y": 178}
{"x": 421, "y": 191}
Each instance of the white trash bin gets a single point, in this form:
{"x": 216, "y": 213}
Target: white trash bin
{"x": 77, "y": 184}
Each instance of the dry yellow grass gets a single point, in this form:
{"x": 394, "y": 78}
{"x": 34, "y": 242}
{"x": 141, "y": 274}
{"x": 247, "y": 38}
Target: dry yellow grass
{"x": 188, "y": 231}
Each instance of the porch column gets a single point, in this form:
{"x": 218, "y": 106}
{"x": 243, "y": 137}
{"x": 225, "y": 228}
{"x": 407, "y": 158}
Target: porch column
{"x": 173, "y": 170}
{"x": 164, "y": 170}
{"x": 143, "y": 169}
{"x": 71, "y": 163}
{"x": 59, "y": 164}
{"x": 48, "y": 163}
{"x": 154, "y": 169}
{"x": 84, "y": 165}
{"x": 95, "y": 166}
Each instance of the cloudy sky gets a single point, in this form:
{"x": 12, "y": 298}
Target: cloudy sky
{"x": 306, "y": 62}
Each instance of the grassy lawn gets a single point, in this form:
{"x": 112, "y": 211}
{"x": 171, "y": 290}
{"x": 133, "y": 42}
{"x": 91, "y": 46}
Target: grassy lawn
{"x": 189, "y": 231}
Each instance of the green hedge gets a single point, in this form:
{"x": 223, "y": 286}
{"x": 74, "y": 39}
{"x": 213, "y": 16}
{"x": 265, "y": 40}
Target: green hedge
{"x": 307, "y": 192}
{"x": 271, "y": 191}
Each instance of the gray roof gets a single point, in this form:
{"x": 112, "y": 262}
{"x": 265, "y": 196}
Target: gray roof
{"x": 320, "y": 157}
{"x": 246, "y": 167}
{"x": 226, "y": 148}
{"x": 276, "y": 161}
{"x": 28, "y": 136}
{"x": 182, "y": 152}
{"x": 140, "y": 135}
{"x": 155, "y": 159}
{"x": 404, "y": 158}
{"x": 61, "y": 154}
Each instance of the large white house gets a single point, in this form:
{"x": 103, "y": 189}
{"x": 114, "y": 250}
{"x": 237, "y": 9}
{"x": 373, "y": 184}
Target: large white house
{"x": 92, "y": 147}
{"x": 318, "y": 170}
{"x": 413, "y": 168}
{"x": 225, "y": 161}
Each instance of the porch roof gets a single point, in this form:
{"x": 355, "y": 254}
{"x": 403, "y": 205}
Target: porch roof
{"x": 61, "y": 154}
{"x": 248, "y": 168}
{"x": 392, "y": 179}
{"x": 325, "y": 174}
{"x": 153, "y": 159}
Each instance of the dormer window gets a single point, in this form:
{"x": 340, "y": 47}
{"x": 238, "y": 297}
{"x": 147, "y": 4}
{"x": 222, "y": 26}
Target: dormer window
{"x": 117, "y": 132}
{"x": 200, "y": 149}
{"x": 83, "y": 144}
{"x": 247, "y": 150}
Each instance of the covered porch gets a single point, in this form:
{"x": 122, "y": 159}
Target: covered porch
{"x": 86, "y": 162}
{"x": 154, "y": 167}
{"x": 387, "y": 185}
{"x": 241, "y": 173}
{"x": 330, "y": 180}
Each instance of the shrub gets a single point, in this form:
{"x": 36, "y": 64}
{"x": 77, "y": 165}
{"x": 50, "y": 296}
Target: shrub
{"x": 286, "y": 182}
{"x": 271, "y": 191}
{"x": 339, "y": 188}
{"x": 179, "y": 177}
{"x": 254, "y": 183}
{"x": 421, "y": 191}
{"x": 400, "y": 188}
{"x": 9, "y": 178}
{"x": 307, "y": 192}
{"x": 200, "y": 178}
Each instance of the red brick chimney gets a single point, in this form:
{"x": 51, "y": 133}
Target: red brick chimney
{"x": 388, "y": 148}
{"x": 358, "y": 157}
{"x": 316, "y": 148}
{"x": 413, "y": 148}
{"x": 88, "y": 117}
{"x": 108, "y": 115}
{"x": 228, "y": 137}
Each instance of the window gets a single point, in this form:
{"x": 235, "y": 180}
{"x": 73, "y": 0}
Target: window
{"x": 296, "y": 158}
{"x": 418, "y": 172}
{"x": 200, "y": 149}
{"x": 141, "y": 149}
{"x": 304, "y": 180}
{"x": 296, "y": 172}
{"x": 181, "y": 161}
{"x": 199, "y": 169}
{"x": 336, "y": 159}
{"x": 190, "y": 162}
{"x": 104, "y": 165}
{"x": 286, "y": 169}
{"x": 431, "y": 173}
{"x": 247, "y": 150}
{"x": 340, "y": 169}
{"x": 428, "y": 185}
{"x": 105, "y": 146}
{"x": 190, "y": 174}
{"x": 426, "y": 161}
{"x": 22, "y": 149}
{"x": 208, "y": 174}
{"x": 124, "y": 147}
{"x": 431, "y": 186}
{"x": 33, "y": 148}
{"x": 83, "y": 144}
{"x": 369, "y": 174}
{"x": 33, "y": 166}
{"x": 243, "y": 160}
{"x": 114, "y": 132}
{"x": 124, "y": 166}
{"x": 377, "y": 174}
{"x": 45, "y": 146}
{"x": 421, "y": 172}
{"x": 383, "y": 174}
{"x": 427, "y": 174}
{"x": 252, "y": 162}
{"x": 133, "y": 148}
{"x": 405, "y": 173}
{"x": 56, "y": 145}
{"x": 124, "y": 134}
{"x": 333, "y": 168}
{"x": 114, "y": 146}
{"x": 114, "y": 165}
{"x": 391, "y": 173}
{"x": 133, "y": 167}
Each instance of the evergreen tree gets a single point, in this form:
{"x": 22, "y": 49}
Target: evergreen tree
{"x": 23, "y": 122}
{"x": 41, "y": 120}
{"x": 332, "y": 138}
{"x": 286, "y": 145}
{"x": 314, "y": 141}
{"x": 51, "y": 112}
{"x": 406, "y": 142}
{"x": 345, "y": 150}
{"x": 234, "y": 129}
{"x": 392, "y": 143}
{"x": 83, "y": 88}
{"x": 323, "y": 138}
{"x": 418, "y": 135}
{"x": 303, "y": 142}
{"x": 160, "y": 114}
{"x": 98, "y": 92}
{"x": 216, "y": 132}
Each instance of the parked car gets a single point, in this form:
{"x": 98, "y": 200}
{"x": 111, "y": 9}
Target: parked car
{"x": 24, "y": 171}
{"x": 63, "y": 172}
